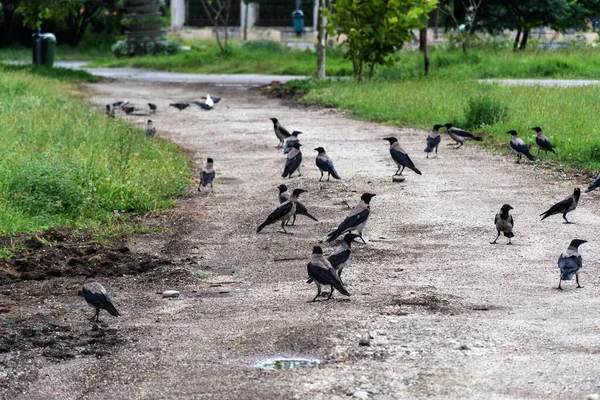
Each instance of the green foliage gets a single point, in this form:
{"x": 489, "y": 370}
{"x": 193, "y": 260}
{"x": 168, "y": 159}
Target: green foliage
{"x": 484, "y": 110}
{"x": 160, "y": 47}
{"x": 63, "y": 74}
{"x": 374, "y": 30}
{"x": 134, "y": 21}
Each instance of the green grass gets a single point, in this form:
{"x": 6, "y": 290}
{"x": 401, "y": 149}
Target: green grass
{"x": 90, "y": 48}
{"x": 66, "y": 165}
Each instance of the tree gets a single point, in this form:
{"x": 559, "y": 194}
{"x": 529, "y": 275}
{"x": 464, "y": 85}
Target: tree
{"x": 246, "y": 9}
{"x": 8, "y": 10}
{"x": 470, "y": 8}
{"x": 217, "y": 12}
{"x": 321, "y": 38}
{"x": 79, "y": 14}
{"x": 375, "y": 29}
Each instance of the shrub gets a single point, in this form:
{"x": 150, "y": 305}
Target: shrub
{"x": 165, "y": 47}
{"x": 484, "y": 110}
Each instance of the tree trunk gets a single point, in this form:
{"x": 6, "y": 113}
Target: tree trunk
{"x": 436, "y": 22}
{"x": 245, "y": 37}
{"x": 464, "y": 40}
{"x": 423, "y": 48}
{"x": 517, "y": 39}
{"x": 524, "y": 39}
{"x": 8, "y": 33}
{"x": 320, "y": 42}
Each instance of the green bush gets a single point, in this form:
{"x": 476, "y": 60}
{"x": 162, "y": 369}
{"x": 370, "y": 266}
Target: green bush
{"x": 484, "y": 110}
{"x": 160, "y": 47}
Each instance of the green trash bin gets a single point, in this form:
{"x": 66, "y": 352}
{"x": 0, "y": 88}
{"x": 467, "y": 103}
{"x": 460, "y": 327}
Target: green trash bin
{"x": 298, "y": 19}
{"x": 48, "y": 49}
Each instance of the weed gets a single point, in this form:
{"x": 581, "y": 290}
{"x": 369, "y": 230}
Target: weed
{"x": 484, "y": 110}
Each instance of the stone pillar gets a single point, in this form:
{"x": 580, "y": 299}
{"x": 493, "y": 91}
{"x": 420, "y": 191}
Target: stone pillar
{"x": 177, "y": 14}
{"x": 315, "y": 14}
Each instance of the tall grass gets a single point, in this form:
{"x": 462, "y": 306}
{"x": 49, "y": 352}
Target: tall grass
{"x": 64, "y": 164}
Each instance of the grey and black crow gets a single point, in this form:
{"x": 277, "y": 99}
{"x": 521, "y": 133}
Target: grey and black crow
{"x": 288, "y": 144}
{"x": 594, "y": 185}
{"x": 152, "y": 108}
{"x": 433, "y": 140}
{"x": 96, "y": 296}
{"x": 563, "y": 207}
{"x": 519, "y": 147}
{"x": 400, "y": 157}
{"x": 293, "y": 162}
{"x": 570, "y": 262}
{"x": 460, "y": 136}
{"x": 150, "y": 130}
{"x": 280, "y": 131}
{"x": 284, "y": 196}
{"x": 180, "y": 106}
{"x": 325, "y": 164}
{"x": 284, "y": 212}
{"x": 356, "y": 220}
{"x": 341, "y": 255}
{"x": 321, "y": 271}
{"x": 504, "y": 223}
{"x": 542, "y": 141}
{"x": 207, "y": 175}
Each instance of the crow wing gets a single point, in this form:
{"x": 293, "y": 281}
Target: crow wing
{"x": 544, "y": 144}
{"x": 351, "y": 222}
{"x": 326, "y": 276}
{"x": 291, "y": 165}
{"x": 403, "y": 159}
{"x": 95, "y": 294}
{"x": 594, "y": 184}
{"x": 569, "y": 266}
{"x": 560, "y": 207}
{"x": 460, "y": 132}
{"x": 206, "y": 177}
{"x": 325, "y": 164}
{"x": 432, "y": 143}
{"x": 337, "y": 259}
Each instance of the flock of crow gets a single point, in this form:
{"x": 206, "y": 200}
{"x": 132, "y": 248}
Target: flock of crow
{"x": 327, "y": 271}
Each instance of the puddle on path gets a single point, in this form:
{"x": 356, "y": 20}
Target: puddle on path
{"x": 287, "y": 363}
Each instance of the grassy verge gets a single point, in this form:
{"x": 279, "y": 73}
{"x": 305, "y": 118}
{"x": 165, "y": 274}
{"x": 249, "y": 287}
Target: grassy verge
{"x": 91, "y": 48}
{"x": 66, "y": 165}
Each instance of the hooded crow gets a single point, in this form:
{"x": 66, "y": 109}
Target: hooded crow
{"x": 570, "y": 262}
{"x": 288, "y": 144}
{"x": 284, "y": 196}
{"x": 293, "y": 162}
{"x": 152, "y": 108}
{"x": 341, "y": 255}
{"x": 280, "y": 131}
{"x": 284, "y": 212}
{"x": 563, "y": 207}
{"x": 518, "y": 147}
{"x": 356, "y": 220}
{"x": 542, "y": 141}
{"x": 207, "y": 175}
{"x": 150, "y": 130}
{"x": 460, "y": 136}
{"x": 504, "y": 223}
{"x": 321, "y": 271}
{"x": 433, "y": 140}
{"x": 400, "y": 157}
{"x": 180, "y": 106}
{"x": 325, "y": 164}
{"x": 594, "y": 184}
{"x": 96, "y": 296}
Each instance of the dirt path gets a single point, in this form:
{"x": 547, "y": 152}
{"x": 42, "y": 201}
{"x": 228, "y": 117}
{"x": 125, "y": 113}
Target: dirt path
{"x": 449, "y": 315}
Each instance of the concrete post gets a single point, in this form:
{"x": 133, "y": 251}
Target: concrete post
{"x": 315, "y": 14}
{"x": 177, "y": 14}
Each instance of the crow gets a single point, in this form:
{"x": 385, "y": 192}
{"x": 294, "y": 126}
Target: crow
{"x": 96, "y": 296}
{"x": 288, "y": 144}
{"x": 518, "y": 147}
{"x": 293, "y": 162}
{"x": 542, "y": 141}
{"x": 504, "y": 223}
{"x": 460, "y": 136}
{"x": 563, "y": 207}
{"x": 180, "y": 106}
{"x": 207, "y": 175}
{"x": 570, "y": 262}
{"x": 119, "y": 104}
{"x": 152, "y": 108}
{"x": 280, "y": 132}
{"x": 594, "y": 185}
{"x": 128, "y": 108}
{"x": 284, "y": 212}
{"x": 341, "y": 255}
{"x": 321, "y": 271}
{"x": 400, "y": 157}
{"x": 325, "y": 164}
{"x": 150, "y": 130}
{"x": 284, "y": 196}
{"x": 433, "y": 140}
{"x": 208, "y": 103}
{"x": 356, "y": 220}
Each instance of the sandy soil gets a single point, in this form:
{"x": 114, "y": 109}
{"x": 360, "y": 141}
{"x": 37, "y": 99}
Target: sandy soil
{"x": 448, "y": 315}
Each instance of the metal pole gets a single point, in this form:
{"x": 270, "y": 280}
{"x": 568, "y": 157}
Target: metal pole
{"x": 37, "y": 46}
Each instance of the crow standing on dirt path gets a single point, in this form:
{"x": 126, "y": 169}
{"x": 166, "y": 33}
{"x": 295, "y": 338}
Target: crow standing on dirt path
{"x": 570, "y": 262}
{"x": 293, "y": 162}
{"x": 341, "y": 255}
{"x": 518, "y": 147}
{"x": 180, "y": 106}
{"x": 284, "y": 212}
{"x": 150, "y": 130}
{"x": 563, "y": 207}
{"x": 152, "y": 108}
{"x": 433, "y": 140}
{"x": 96, "y": 296}
{"x": 325, "y": 164}
{"x": 288, "y": 144}
{"x": 280, "y": 132}
{"x": 460, "y": 136}
{"x": 284, "y": 196}
{"x": 356, "y": 220}
{"x": 594, "y": 185}
{"x": 504, "y": 223}
{"x": 400, "y": 157}
{"x": 207, "y": 175}
{"x": 542, "y": 141}
{"x": 321, "y": 271}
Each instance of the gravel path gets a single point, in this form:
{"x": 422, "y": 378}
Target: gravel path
{"x": 448, "y": 314}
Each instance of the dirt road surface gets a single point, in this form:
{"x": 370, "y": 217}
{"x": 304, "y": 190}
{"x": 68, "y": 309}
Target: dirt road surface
{"x": 446, "y": 314}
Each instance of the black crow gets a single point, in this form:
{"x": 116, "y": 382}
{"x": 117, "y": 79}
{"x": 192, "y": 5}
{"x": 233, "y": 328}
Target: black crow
{"x": 180, "y": 106}
{"x": 96, "y": 296}
{"x": 594, "y": 184}
{"x": 284, "y": 196}
{"x": 570, "y": 263}
{"x": 504, "y": 223}
{"x": 400, "y": 157}
{"x": 152, "y": 108}
{"x": 207, "y": 175}
{"x": 280, "y": 131}
{"x": 460, "y": 136}
{"x": 293, "y": 162}
{"x": 284, "y": 212}
{"x": 563, "y": 207}
{"x": 433, "y": 140}
{"x": 518, "y": 147}
{"x": 356, "y": 220}
{"x": 288, "y": 144}
{"x": 325, "y": 164}
{"x": 150, "y": 130}
{"x": 321, "y": 271}
{"x": 542, "y": 141}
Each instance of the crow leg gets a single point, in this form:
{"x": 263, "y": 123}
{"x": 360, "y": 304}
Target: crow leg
{"x": 565, "y": 218}
{"x": 519, "y": 158}
{"x": 318, "y": 293}
{"x": 538, "y": 153}
{"x": 402, "y": 170}
{"x": 321, "y": 178}
{"x": 299, "y": 174}
{"x": 427, "y": 155}
{"x": 436, "y": 149}
{"x": 96, "y": 316}
{"x": 328, "y": 176}
{"x": 509, "y": 241}
{"x": 495, "y": 240}
{"x": 397, "y": 171}
{"x": 361, "y": 238}
{"x": 293, "y": 220}
{"x": 460, "y": 144}
{"x": 577, "y": 280}
{"x": 283, "y": 226}
{"x": 211, "y": 188}
{"x": 559, "y": 282}
{"x": 330, "y": 293}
